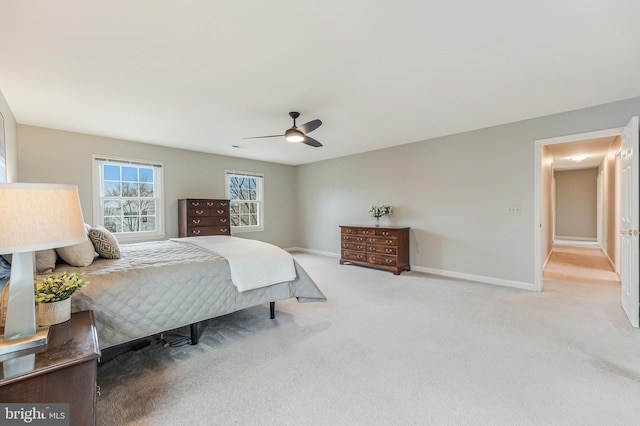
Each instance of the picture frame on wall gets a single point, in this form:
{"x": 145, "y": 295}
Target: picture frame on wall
{"x": 3, "y": 152}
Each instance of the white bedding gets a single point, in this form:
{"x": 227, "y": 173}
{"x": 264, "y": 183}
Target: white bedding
{"x": 253, "y": 264}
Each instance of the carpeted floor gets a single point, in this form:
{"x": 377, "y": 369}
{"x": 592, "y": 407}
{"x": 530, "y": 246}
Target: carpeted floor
{"x": 385, "y": 349}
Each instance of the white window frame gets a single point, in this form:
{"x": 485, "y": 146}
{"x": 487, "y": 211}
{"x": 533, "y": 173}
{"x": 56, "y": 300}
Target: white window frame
{"x": 259, "y": 201}
{"x": 98, "y": 210}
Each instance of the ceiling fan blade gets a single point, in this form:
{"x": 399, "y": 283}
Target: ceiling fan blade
{"x": 311, "y": 141}
{"x": 310, "y": 126}
{"x": 260, "y": 137}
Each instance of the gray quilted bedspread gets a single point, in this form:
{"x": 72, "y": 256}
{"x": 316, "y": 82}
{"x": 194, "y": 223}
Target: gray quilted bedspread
{"x": 162, "y": 285}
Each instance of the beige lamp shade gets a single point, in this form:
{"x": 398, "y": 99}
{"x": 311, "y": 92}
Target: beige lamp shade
{"x": 36, "y": 216}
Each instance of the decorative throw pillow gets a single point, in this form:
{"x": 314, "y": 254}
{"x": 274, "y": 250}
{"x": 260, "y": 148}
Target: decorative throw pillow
{"x": 44, "y": 261}
{"x": 105, "y": 242}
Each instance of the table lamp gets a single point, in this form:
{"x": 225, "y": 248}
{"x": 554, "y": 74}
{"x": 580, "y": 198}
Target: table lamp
{"x": 33, "y": 217}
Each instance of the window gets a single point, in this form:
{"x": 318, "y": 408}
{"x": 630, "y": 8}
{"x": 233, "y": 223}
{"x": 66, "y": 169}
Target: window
{"x": 246, "y": 195}
{"x": 128, "y": 197}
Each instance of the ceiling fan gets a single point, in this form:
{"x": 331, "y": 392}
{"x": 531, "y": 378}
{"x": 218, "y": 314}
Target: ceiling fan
{"x": 298, "y": 133}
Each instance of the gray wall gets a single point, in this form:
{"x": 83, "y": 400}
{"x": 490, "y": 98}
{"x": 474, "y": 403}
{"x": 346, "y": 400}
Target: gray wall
{"x": 10, "y": 140}
{"x": 576, "y": 204}
{"x": 53, "y": 156}
{"x": 452, "y": 191}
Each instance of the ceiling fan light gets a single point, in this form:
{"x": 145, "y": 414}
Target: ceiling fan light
{"x": 293, "y": 135}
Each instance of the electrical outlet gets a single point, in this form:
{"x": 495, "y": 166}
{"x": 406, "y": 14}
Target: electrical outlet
{"x": 513, "y": 209}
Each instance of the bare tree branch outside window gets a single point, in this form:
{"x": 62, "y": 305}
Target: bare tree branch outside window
{"x": 129, "y": 201}
{"x": 245, "y": 202}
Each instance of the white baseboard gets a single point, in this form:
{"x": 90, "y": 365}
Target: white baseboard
{"x": 450, "y": 274}
{"x": 478, "y": 278}
{"x": 321, "y": 253}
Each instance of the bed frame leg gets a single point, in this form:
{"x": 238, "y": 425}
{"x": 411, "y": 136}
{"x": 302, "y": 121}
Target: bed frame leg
{"x": 272, "y": 309}
{"x": 194, "y": 333}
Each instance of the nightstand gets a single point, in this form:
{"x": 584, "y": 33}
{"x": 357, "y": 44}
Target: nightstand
{"x": 63, "y": 371}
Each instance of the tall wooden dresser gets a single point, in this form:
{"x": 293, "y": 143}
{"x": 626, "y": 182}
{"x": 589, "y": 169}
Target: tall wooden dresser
{"x": 197, "y": 217}
{"x": 384, "y": 247}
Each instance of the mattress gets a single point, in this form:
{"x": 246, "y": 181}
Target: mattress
{"x": 162, "y": 285}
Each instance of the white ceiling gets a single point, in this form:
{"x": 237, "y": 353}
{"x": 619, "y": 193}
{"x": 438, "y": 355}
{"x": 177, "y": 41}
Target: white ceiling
{"x": 202, "y": 75}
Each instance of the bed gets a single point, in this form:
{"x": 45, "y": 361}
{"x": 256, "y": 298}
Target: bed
{"x": 163, "y": 285}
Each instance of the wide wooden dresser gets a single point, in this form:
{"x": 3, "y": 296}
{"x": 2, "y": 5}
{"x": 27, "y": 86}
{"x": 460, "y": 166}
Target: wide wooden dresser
{"x": 384, "y": 247}
{"x": 197, "y": 217}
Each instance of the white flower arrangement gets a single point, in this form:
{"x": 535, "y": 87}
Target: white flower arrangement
{"x": 381, "y": 210}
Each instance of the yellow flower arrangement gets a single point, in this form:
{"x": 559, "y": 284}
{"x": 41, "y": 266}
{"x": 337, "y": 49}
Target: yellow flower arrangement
{"x": 54, "y": 288}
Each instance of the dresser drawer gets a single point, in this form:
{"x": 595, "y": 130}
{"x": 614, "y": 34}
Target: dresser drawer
{"x": 354, "y": 255}
{"x": 207, "y": 204}
{"x": 382, "y": 241}
{"x": 392, "y": 250}
{"x": 386, "y": 233}
{"x": 354, "y": 238}
{"x": 348, "y": 231}
{"x": 195, "y": 231}
{"x": 208, "y": 221}
{"x": 366, "y": 231}
{"x": 354, "y": 246}
{"x": 198, "y": 212}
{"x": 382, "y": 260}
{"x": 220, "y": 211}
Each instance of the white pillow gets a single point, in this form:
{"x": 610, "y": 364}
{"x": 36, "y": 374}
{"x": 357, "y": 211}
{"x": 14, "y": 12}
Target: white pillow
{"x": 104, "y": 242}
{"x": 81, "y": 254}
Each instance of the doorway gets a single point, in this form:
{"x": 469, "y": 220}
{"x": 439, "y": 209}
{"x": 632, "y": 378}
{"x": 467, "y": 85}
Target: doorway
{"x": 549, "y": 153}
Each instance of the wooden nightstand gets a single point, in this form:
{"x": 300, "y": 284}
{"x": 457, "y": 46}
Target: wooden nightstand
{"x": 63, "y": 371}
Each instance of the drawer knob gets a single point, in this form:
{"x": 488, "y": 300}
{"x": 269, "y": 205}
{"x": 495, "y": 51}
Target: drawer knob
{"x": 223, "y": 229}
{"x": 220, "y": 211}
{"x": 389, "y": 261}
{"x": 196, "y": 221}
{"x": 199, "y": 211}
{"x": 195, "y": 203}
{"x": 389, "y": 251}
{"x": 223, "y": 220}
{"x": 223, "y": 204}
{"x": 385, "y": 233}
{"x": 210, "y": 204}
{"x": 195, "y": 232}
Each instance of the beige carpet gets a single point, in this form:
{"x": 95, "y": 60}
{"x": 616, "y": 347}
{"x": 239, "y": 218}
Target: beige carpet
{"x": 580, "y": 264}
{"x": 394, "y": 350}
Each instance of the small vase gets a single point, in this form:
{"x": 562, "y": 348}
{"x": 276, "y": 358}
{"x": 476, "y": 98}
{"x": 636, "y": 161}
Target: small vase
{"x": 377, "y": 221}
{"x": 54, "y": 313}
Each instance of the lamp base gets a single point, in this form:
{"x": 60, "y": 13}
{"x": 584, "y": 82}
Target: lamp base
{"x": 40, "y": 338}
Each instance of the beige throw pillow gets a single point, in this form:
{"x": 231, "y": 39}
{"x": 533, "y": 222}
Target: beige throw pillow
{"x": 81, "y": 254}
{"x": 44, "y": 261}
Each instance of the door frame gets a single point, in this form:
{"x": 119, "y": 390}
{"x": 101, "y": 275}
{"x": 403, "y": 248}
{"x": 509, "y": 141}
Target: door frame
{"x": 538, "y": 214}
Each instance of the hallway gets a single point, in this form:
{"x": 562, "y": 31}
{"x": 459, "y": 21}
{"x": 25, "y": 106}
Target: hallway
{"x": 584, "y": 264}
